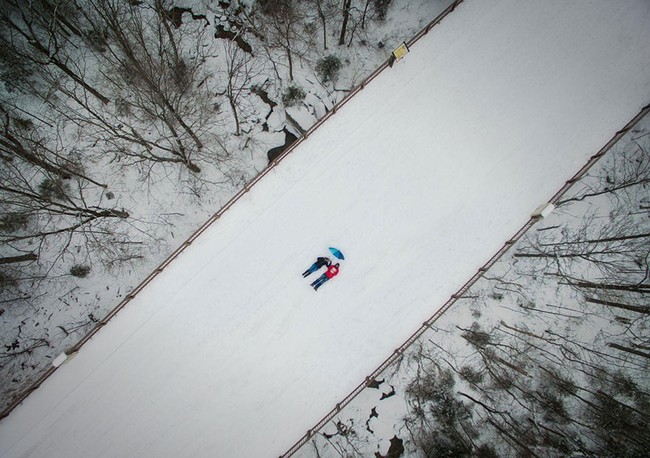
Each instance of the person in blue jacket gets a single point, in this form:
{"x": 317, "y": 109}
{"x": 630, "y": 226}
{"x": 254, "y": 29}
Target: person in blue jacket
{"x": 320, "y": 262}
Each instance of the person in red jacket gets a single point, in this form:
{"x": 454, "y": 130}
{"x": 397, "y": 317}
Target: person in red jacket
{"x": 331, "y": 272}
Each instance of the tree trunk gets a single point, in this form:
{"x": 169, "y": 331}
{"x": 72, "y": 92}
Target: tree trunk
{"x": 642, "y": 289}
{"x": 363, "y": 17}
{"x": 323, "y": 20}
{"x": 290, "y": 61}
{"x": 21, "y": 258}
{"x": 629, "y": 350}
{"x": 346, "y": 16}
{"x": 234, "y": 113}
{"x": 13, "y": 146}
{"x": 33, "y": 41}
{"x": 513, "y": 438}
{"x": 61, "y": 19}
{"x": 605, "y": 239}
{"x": 631, "y": 308}
{"x": 569, "y": 255}
{"x": 605, "y": 191}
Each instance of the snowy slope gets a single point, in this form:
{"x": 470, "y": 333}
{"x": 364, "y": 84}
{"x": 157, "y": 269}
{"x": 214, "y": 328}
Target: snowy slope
{"x": 419, "y": 179}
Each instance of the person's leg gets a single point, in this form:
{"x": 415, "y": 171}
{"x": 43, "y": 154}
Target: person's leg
{"x": 316, "y": 283}
{"x": 311, "y": 270}
{"x": 324, "y": 279}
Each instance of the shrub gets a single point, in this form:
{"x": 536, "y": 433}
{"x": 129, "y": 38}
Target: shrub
{"x": 436, "y": 389}
{"x": 434, "y": 444}
{"x": 24, "y": 124}
{"x": 75, "y": 162}
{"x": 381, "y": 8}
{"x": 328, "y": 68}
{"x": 122, "y": 107}
{"x": 476, "y": 337}
{"x": 181, "y": 74}
{"x": 13, "y": 222}
{"x": 485, "y": 451}
{"x": 52, "y": 189}
{"x": 96, "y": 40}
{"x": 7, "y": 280}
{"x": 471, "y": 375}
{"x": 79, "y": 270}
{"x": 434, "y": 404}
{"x": 281, "y": 8}
{"x": 553, "y": 407}
{"x": 14, "y": 71}
{"x": 293, "y": 95}
{"x": 564, "y": 386}
{"x": 622, "y": 384}
{"x": 496, "y": 296}
{"x": 431, "y": 386}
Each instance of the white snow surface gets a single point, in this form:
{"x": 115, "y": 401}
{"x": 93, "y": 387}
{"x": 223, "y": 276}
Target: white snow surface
{"x": 418, "y": 180}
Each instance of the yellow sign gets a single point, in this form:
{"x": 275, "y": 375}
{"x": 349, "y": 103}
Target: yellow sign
{"x": 400, "y": 51}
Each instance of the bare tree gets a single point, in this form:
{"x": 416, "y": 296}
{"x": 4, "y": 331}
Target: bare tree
{"x": 627, "y": 176}
{"x": 353, "y": 16}
{"x": 326, "y": 10}
{"x": 613, "y": 249}
{"x": 241, "y": 71}
{"x": 282, "y": 27}
{"x": 45, "y": 195}
{"x": 148, "y": 64}
{"x": 604, "y": 255}
{"x": 37, "y": 32}
{"x": 19, "y": 139}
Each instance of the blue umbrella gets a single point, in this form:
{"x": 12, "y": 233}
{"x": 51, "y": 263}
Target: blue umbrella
{"x": 336, "y": 252}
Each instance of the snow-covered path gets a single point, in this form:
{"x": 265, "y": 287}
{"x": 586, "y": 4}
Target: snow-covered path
{"x": 418, "y": 180}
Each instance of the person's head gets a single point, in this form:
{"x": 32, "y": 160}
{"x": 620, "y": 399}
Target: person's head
{"x": 336, "y": 265}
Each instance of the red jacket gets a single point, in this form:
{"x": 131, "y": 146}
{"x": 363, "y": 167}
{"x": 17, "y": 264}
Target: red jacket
{"x": 332, "y": 271}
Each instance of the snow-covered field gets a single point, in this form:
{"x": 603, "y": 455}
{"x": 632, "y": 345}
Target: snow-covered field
{"x": 418, "y": 179}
